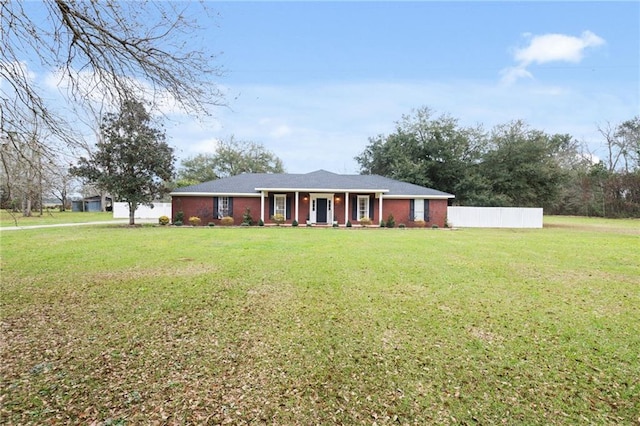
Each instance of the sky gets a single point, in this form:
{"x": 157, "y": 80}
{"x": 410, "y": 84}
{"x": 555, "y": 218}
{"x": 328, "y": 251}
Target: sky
{"x": 314, "y": 81}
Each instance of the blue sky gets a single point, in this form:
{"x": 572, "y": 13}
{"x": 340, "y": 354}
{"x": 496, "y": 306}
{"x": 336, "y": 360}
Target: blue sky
{"x": 313, "y": 81}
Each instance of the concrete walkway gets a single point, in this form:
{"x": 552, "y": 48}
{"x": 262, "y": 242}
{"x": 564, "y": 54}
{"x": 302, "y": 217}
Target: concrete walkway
{"x": 58, "y": 225}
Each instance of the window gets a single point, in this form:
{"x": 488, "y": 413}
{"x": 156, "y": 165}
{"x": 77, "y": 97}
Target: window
{"x": 418, "y": 209}
{"x": 223, "y": 207}
{"x": 363, "y": 206}
{"x": 280, "y": 204}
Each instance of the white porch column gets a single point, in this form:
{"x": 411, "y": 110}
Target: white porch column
{"x": 297, "y": 202}
{"x": 346, "y": 207}
{"x": 262, "y": 206}
{"x": 380, "y": 209}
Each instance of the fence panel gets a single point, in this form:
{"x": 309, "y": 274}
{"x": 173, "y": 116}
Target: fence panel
{"x": 494, "y": 217}
{"x": 121, "y": 211}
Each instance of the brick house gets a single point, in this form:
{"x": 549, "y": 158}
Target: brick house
{"x": 319, "y": 197}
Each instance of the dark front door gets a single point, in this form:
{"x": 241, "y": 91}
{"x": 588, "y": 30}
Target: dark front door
{"x": 321, "y": 210}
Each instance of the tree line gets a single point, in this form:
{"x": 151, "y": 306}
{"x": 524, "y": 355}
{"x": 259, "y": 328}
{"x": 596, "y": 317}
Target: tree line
{"x": 127, "y": 60}
{"x": 512, "y": 164}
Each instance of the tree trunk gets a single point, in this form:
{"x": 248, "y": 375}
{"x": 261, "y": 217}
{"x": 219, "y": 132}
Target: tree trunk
{"x": 132, "y": 213}
{"x": 26, "y": 207}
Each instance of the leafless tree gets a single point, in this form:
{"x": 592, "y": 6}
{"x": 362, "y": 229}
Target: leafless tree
{"x": 61, "y": 184}
{"x": 623, "y": 144}
{"x": 101, "y": 52}
{"x": 22, "y": 165}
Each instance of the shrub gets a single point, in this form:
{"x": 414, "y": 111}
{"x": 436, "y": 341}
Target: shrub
{"x": 260, "y": 222}
{"x": 335, "y": 224}
{"x": 382, "y": 224}
{"x": 420, "y": 223}
{"x": 163, "y": 220}
{"x": 194, "y": 221}
{"x": 349, "y": 225}
{"x": 391, "y": 221}
{"x": 434, "y": 226}
{"x": 226, "y": 221}
{"x": 402, "y": 226}
{"x": 278, "y": 219}
{"x": 294, "y": 223}
{"x": 365, "y": 221}
{"x": 247, "y": 220}
{"x": 177, "y": 223}
{"x": 180, "y": 217}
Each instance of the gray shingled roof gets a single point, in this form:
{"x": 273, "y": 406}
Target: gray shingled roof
{"x": 320, "y": 180}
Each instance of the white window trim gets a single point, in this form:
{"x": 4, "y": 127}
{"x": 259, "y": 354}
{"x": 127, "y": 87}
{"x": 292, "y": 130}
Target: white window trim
{"x": 418, "y": 207}
{"x": 223, "y": 208}
{"x": 282, "y": 197}
{"x": 366, "y": 206}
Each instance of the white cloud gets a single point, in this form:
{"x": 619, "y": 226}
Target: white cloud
{"x": 512, "y": 74}
{"x": 557, "y": 47}
{"x": 547, "y": 48}
{"x": 280, "y": 131}
{"x": 18, "y": 68}
{"x": 204, "y": 146}
{"x": 98, "y": 91}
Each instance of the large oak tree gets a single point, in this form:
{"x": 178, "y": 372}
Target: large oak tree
{"x": 232, "y": 157}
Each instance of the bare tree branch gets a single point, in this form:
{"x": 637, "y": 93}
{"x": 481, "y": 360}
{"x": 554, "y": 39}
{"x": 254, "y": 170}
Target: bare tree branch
{"x": 102, "y": 53}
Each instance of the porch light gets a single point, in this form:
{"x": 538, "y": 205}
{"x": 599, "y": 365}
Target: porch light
{"x": 337, "y": 199}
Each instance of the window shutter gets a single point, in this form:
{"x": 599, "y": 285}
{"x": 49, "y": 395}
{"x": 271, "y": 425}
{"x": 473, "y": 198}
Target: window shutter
{"x": 354, "y": 208}
{"x": 231, "y": 206}
{"x": 412, "y": 213}
{"x": 426, "y": 210}
{"x": 371, "y": 211}
{"x": 288, "y": 207}
{"x": 271, "y": 206}
{"x": 215, "y": 208}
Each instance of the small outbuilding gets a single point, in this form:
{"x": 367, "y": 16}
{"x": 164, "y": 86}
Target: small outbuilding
{"x": 91, "y": 204}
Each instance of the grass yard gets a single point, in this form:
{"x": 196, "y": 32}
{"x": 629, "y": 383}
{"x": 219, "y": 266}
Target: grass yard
{"x": 150, "y": 325}
{"x": 52, "y": 217}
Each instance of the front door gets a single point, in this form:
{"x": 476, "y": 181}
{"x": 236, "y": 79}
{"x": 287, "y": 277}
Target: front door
{"x": 321, "y": 210}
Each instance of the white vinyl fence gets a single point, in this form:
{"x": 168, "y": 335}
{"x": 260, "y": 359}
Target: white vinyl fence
{"x": 494, "y": 217}
{"x": 121, "y": 211}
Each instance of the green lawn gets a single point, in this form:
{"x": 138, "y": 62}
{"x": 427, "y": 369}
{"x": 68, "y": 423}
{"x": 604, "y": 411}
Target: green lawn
{"x": 307, "y": 326}
{"x": 52, "y": 217}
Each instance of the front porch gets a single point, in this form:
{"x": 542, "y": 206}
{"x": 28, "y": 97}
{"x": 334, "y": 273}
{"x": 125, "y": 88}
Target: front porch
{"x": 321, "y": 208}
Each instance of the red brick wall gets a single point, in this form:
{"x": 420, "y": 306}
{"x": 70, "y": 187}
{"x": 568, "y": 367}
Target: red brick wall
{"x": 437, "y": 212}
{"x": 203, "y": 208}
{"x": 401, "y": 212}
{"x": 193, "y": 206}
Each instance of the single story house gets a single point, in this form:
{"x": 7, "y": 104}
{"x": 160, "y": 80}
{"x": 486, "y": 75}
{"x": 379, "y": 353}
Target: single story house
{"x": 319, "y": 197}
